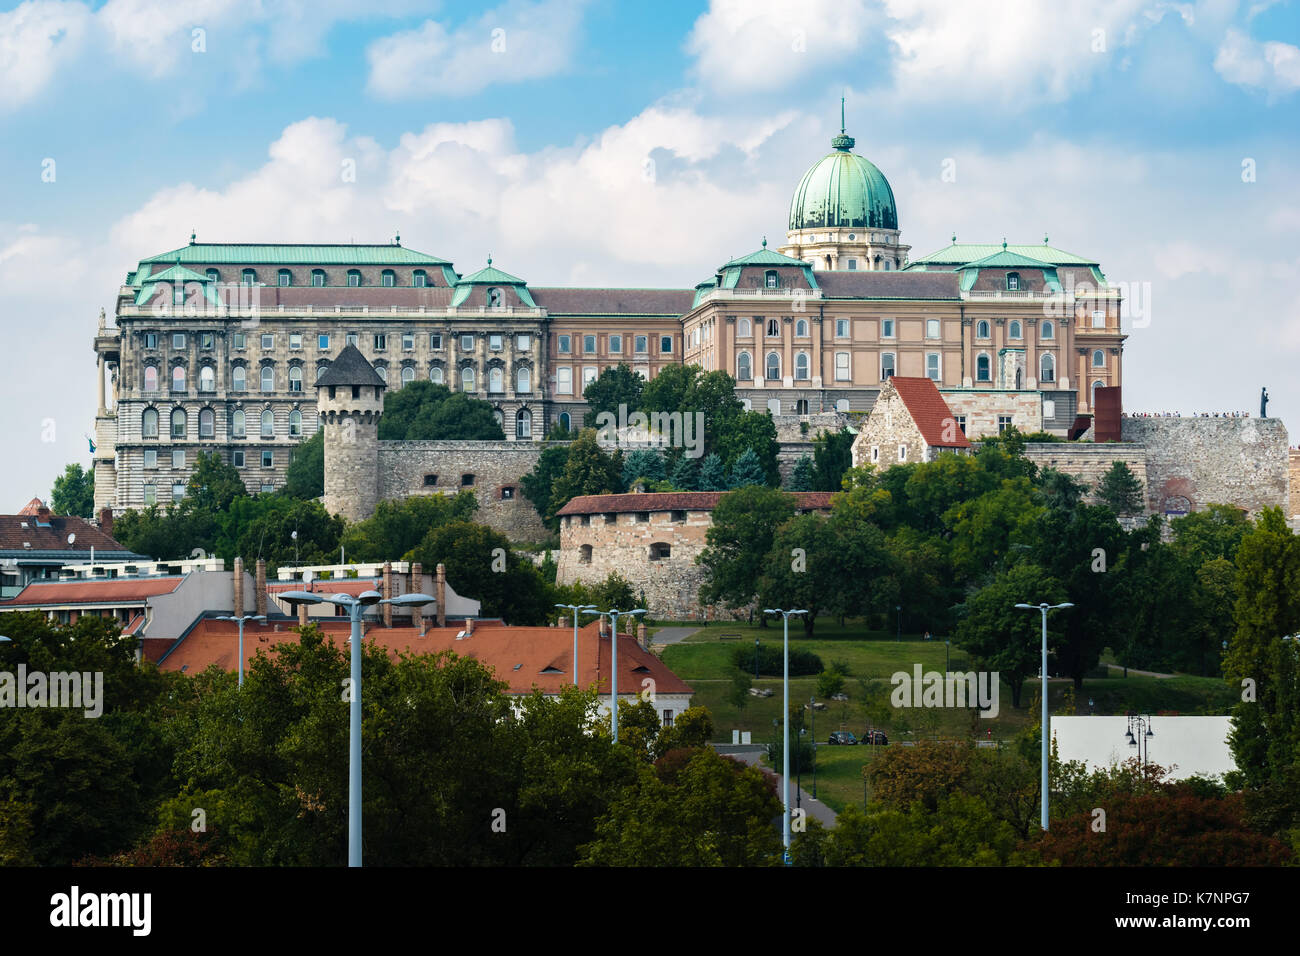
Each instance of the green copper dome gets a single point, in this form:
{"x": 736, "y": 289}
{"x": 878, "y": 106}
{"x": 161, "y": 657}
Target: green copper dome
{"x": 843, "y": 189}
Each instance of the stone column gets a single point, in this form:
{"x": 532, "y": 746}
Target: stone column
{"x": 388, "y": 593}
{"x": 239, "y": 587}
{"x": 440, "y": 593}
{"x": 259, "y": 594}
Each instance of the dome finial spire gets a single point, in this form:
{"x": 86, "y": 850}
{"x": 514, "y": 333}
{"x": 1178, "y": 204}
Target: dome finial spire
{"x": 841, "y": 116}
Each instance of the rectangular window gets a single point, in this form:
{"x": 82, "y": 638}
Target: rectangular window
{"x": 665, "y": 345}
{"x": 642, "y": 344}
{"x": 322, "y": 341}
{"x": 886, "y": 328}
{"x": 267, "y": 488}
{"x": 841, "y": 328}
{"x": 151, "y": 340}
{"x": 381, "y": 341}
{"x": 932, "y": 366}
{"x": 240, "y": 340}
{"x": 238, "y": 458}
{"x": 961, "y": 423}
{"x": 268, "y": 458}
{"x": 1004, "y": 422}
{"x": 178, "y": 457}
{"x": 886, "y": 365}
{"x": 853, "y": 265}
{"x": 875, "y": 454}
{"x": 564, "y": 344}
{"x": 268, "y": 341}
{"x": 206, "y": 340}
{"x": 589, "y": 374}
{"x": 616, "y": 344}
{"x": 151, "y": 457}
{"x": 589, "y": 344}
{"x": 931, "y": 328}
{"x": 496, "y": 342}
{"x": 295, "y": 340}
{"x": 564, "y": 381}
{"x": 351, "y": 338}
{"x": 1099, "y": 319}
{"x": 178, "y": 340}
{"x": 150, "y": 495}
{"x": 902, "y": 453}
{"x": 523, "y": 342}
{"x": 408, "y": 341}
{"x": 842, "y": 373}
{"x": 435, "y": 341}
{"x": 467, "y": 343}
{"x": 178, "y": 491}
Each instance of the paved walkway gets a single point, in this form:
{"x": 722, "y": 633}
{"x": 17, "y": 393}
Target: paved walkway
{"x": 671, "y": 635}
{"x": 798, "y": 797}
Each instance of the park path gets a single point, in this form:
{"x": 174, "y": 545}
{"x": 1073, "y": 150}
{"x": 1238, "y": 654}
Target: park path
{"x": 671, "y": 635}
{"x": 799, "y": 797}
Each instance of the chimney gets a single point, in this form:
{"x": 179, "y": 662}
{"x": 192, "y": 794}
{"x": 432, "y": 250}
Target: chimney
{"x": 564, "y": 622}
{"x": 302, "y": 615}
{"x": 641, "y": 635}
{"x": 440, "y": 592}
{"x": 106, "y": 521}
{"x": 259, "y": 594}
{"x": 424, "y": 625}
{"x": 239, "y": 587}
{"x": 469, "y": 626}
{"x": 416, "y": 583}
{"x": 388, "y": 593}
{"x": 604, "y": 630}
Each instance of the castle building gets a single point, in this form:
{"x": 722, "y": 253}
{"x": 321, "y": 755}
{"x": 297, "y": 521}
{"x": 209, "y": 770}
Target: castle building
{"x": 217, "y": 346}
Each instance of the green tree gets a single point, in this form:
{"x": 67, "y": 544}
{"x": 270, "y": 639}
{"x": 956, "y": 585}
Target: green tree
{"x": 428, "y": 411}
{"x": 74, "y": 492}
{"x": 481, "y": 565}
{"x": 588, "y": 471}
{"x": 713, "y": 474}
{"x": 539, "y": 484}
{"x": 305, "y": 476}
{"x": 833, "y": 456}
{"x": 1120, "y": 490}
{"x": 748, "y": 470}
{"x": 686, "y": 474}
{"x": 265, "y": 526}
{"x": 614, "y": 387}
{"x": 642, "y": 463}
{"x": 738, "y": 540}
{"x": 396, "y": 527}
{"x": 214, "y": 485}
{"x": 750, "y": 436}
{"x": 803, "y": 476}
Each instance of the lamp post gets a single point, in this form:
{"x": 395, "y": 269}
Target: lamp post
{"x": 1044, "y": 608}
{"x": 614, "y": 615}
{"x": 785, "y": 744}
{"x": 576, "y": 609}
{"x": 1142, "y": 739}
{"x": 240, "y": 621}
{"x": 755, "y": 658}
{"x": 899, "y": 609}
{"x": 356, "y": 607}
{"x": 812, "y": 710}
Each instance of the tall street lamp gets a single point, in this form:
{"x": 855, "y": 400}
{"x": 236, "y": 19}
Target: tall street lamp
{"x": 356, "y": 607}
{"x": 812, "y": 710}
{"x": 785, "y": 744}
{"x": 614, "y": 615}
{"x": 576, "y": 609}
{"x": 240, "y": 621}
{"x": 1044, "y": 608}
{"x": 1142, "y": 739}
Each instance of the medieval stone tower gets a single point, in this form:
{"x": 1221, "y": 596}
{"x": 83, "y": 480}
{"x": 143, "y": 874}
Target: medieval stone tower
{"x": 350, "y": 399}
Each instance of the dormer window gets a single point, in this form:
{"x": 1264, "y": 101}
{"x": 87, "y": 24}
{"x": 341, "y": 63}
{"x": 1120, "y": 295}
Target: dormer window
{"x": 285, "y": 278}
{"x": 770, "y": 279}
{"x": 1013, "y": 281}
{"x": 419, "y": 279}
{"x": 494, "y": 299}
{"x": 388, "y": 278}
{"x": 318, "y": 278}
{"x": 213, "y": 275}
{"x": 354, "y": 278}
{"x": 248, "y": 277}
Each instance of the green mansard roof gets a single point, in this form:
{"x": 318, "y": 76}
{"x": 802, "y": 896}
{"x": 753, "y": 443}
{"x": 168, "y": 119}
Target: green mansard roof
{"x": 968, "y": 253}
{"x": 491, "y": 276}
{"x": 305, "y": 254}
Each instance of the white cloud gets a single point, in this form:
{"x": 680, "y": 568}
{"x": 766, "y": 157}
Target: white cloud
{"x": 36, "y": 38}
{"x": 765, "y": 44}
{"x": 515, "y": 42}
{"x": 1270, "y": 66}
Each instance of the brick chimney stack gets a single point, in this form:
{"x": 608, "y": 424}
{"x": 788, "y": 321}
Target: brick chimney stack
{"x": 259, "y": 594}
{"x": 106, "y": 521}
{"x": 387, "y": 590}
{"x": 440, "y": 593}
{"x": 239, "y": 587}
{"x": 469, "y": 626}
{"x": 302, "y": 615}
{"x": 416, "y": 584}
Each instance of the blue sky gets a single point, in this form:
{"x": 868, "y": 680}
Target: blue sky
{"x": 632, "y": 144}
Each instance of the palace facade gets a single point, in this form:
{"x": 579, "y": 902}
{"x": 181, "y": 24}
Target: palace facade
{"x": 218, "y": 346}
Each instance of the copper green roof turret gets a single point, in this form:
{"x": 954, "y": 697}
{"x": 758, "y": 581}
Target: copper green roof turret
{"x": 491, "y": 276}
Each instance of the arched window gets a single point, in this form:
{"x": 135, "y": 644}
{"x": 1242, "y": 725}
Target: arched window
{"x": 207, "y": 423}
{"x": 238, "y": 422}
{"x": 494, "y": 299}
{"x": 178, "y": 378}
{"x": 983, "y": 368}
{"x": 388, "y": 278}
{"x": 743, "y": 328}
{"x": 178, "y": 423}
{"x": 773, "y": 365}
{"x": 382, "y": 372}
{"x": 524, "y": 424}
{"x": 1013, "y": 281}
{"x": 467, "y": 379}
{"x": 1098, "y": 358}
{"x": 565, "y": 421}
{"x": 770, "y": 279}
{"x": 982, "y": 329}
{"x": 1047, "y": 368}
{"x": 207, "y": 379}
{"x": 295, "y": 378}
{"x": 496, "y": 380}
{"x": 1047, "y": 329}
{"x": 318, "y": 278}
{"x": 801, "y": 365}
{"x": 268, "y": 423}
{"x": 268, "y": 378}
{"x": 151, "y": 378}
{"x": 435, "y": 375}
{"x": 744, "y": 368}
{"x": 295, "y": 424}
{"x": 239, "y": 378}
{"x": 354, "y": 278}
{"x": 801, "y": 329}
{"x": 149, "y": 423}
{"x": 1015, "y": 329}
{"x": 419, "y": 278}
{"x": 524, "y": 380}
{"x": 284, "y": 277}
{"x": 1096, "y": 385}
{"x": 248, "y": 277}
{"x": 408, "y": 375}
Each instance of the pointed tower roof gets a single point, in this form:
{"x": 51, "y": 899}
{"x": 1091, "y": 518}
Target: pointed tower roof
{"x": 350, "y": 368}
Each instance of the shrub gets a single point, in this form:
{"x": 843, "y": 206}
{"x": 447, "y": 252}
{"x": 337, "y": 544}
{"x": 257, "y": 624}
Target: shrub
{"x": 802, "y": 663}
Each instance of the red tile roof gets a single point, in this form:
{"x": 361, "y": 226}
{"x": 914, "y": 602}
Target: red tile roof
{"x": 54, "y": 536}
{"x": 32, "y": 507}
{"x": 930, "y": 412}
{"x": 106, "y": 591}
{"x": 518, "y": 655}
{"x": 676, "y": 501}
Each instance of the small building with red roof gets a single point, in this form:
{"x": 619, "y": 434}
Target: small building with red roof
{"x": 909, "y": 422}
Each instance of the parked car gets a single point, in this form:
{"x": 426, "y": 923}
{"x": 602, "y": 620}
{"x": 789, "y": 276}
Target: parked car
{"x": 842, "y": 737}
{"x": 876, "y": 737}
